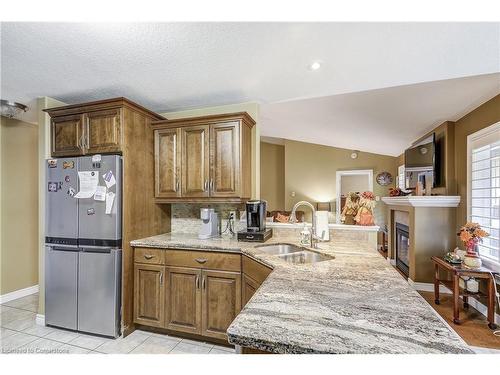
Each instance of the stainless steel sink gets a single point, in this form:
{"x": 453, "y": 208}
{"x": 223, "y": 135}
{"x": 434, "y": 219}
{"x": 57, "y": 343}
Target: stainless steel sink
{"x": 292, "y": 253}
{"x": 279, "y": 248}
{"x": 304, "y": 256}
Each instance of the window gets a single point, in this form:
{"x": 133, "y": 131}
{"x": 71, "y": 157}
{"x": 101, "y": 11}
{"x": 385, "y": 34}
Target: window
{"x": 484, "y": 188}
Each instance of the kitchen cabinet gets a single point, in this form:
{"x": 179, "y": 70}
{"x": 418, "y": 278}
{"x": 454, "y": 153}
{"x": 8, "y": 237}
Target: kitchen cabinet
{"x": 167, "y": 163}
{"x": 149, "y": 308}
{"x": 221, "y": 301}
{"x": 183, "y": 302}
{"x": 67, "y": 135}
{"x": 225, "y": 162}
{"x": 95, "y": 127}
{"x": 249, "y": 287}
{"x": 200, "y": 293}
{"x": 195, "y": 161}
{"x": 102, "y": 131}
{"x": 253, "y": 275}
{"x": 215, "y": 158}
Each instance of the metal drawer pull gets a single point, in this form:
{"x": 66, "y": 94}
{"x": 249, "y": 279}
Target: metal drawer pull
{"x": 147, "y": 256}
{"x": 197, "y": 282}
{"x": 201, "y": 260}
{"x": 249, "y": 237}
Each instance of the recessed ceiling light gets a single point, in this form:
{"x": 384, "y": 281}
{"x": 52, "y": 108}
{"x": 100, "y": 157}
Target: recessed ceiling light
{"x": 315, "y": 65}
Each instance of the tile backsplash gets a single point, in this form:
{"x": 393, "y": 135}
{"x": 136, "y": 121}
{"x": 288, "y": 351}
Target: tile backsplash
{"x": 186, "y": 217}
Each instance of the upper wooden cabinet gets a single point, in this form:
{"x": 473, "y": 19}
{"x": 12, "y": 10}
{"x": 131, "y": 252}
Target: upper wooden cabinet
{"x": 94, "y": 127}
{"x": 67, "y": 135}
{"x": 103, "y": 131}
{"x": 195, "y": 161}
{"x": 167, "y": 160}
{"x": 214, "y": 163}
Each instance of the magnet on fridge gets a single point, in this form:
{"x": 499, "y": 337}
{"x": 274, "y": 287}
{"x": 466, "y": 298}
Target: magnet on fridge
{"x": 52, "y": 187}
{"x": 90, "y": 211}
{"x": 71, "y": 192}
{"x": 52, "y": 163}
{"x": 68, "y": 164}
{"x": 66, "y": 178}
{"x": 96, "y": 161}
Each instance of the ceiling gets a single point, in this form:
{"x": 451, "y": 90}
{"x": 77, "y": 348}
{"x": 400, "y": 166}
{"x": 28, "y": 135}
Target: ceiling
{"x": 384, "y": 121}
{"x": 174, "y": 66}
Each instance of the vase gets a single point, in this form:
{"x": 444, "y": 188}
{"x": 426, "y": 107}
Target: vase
{"x": 472, "y": 261}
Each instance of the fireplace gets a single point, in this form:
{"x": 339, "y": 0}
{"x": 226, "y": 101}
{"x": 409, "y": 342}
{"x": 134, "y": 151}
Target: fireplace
{"x": 403, "y": 248}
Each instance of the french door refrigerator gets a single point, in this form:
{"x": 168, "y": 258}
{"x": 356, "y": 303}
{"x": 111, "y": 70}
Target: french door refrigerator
{"x": 83, "y": 245}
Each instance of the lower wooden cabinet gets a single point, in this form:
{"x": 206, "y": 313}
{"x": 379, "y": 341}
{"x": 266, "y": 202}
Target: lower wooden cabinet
{"x": 221, "y": 301}
{"x": 149, "y": 292}
{"x": 183, "y": 302}
{"x": 248, "y": 289}
{"x": 180, "y": 295}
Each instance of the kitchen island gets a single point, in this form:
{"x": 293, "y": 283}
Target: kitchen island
{"x": 353, "y": 303}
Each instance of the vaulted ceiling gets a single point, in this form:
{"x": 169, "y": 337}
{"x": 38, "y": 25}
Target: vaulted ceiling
{"x": 173, "y": 66}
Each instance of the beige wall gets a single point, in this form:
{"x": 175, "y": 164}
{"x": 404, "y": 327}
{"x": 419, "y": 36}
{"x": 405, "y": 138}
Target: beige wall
{"x": 354, "y": 183}
{"x": 43, "y": 154}
{"x": 272, "y": 175}
{"x": 310, "y": 171}
{"x": 480, "y": 118}
{"x": 253, "y": 110}
{"x": 19, "y": 205}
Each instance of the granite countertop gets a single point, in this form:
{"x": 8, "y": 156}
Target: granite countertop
{"x": 355, "y": 303}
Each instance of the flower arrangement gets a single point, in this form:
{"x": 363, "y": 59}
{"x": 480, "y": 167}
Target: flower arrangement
{"x": 471, "y": 235}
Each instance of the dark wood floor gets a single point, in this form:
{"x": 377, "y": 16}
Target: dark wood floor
{"x": 474, "y": 327}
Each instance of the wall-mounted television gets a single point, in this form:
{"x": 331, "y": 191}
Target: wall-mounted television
{"x": 420, "y": 160}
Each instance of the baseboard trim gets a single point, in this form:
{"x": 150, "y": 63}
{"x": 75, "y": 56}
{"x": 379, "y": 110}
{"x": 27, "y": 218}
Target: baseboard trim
{"x": 4, "y": 298}
{"x": 429, "y": 287}
{"x": 40, "y": 319}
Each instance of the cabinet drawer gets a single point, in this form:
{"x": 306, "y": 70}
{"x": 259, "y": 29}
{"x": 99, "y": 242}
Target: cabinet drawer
{"x": 150, "y": 256}
{"x": 256, "y": 270}
{"x": 203, "y": 259}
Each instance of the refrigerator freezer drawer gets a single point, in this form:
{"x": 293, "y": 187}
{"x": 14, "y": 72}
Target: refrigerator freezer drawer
{"x": 99, "y": 276}
{"x": 61, "y": 268}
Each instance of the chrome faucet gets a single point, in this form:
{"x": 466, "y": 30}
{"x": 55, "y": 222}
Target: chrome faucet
{"x": 293, "y": 219}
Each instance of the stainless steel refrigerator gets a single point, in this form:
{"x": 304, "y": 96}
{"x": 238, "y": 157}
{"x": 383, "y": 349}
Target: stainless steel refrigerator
{"x": 83, "y": 245}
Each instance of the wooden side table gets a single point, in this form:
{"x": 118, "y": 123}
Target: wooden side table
{"x": 460, "y": 270}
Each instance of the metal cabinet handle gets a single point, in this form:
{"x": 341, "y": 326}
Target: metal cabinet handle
{"x": 197, "y": 282}
{"x": 161, "y": 278}
{"x": 147, "y": 256}
{"x": 81, "y": 145}
{"x": 201, "y": 260}
{"x": 88, "y": 132}
{"x": 203, "y": 283}
{"x": 205, "y": 185}
{"x": 176, "y": 186}
{"x": 211, "y": 184}
{"x": 249, "y": 237}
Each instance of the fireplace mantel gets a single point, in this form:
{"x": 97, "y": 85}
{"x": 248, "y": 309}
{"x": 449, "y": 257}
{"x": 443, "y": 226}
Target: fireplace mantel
{"x": 424, "y": 201}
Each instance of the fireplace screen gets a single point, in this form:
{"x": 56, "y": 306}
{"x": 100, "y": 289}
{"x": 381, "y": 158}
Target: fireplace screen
{"x": 402, "y": 248}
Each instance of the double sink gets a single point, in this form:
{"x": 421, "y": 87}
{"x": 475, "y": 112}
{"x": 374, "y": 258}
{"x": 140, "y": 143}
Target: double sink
{"x": 293, "y": 254}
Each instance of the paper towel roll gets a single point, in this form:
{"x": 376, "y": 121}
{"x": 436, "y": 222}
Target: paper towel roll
{"x": 322, "y": 225}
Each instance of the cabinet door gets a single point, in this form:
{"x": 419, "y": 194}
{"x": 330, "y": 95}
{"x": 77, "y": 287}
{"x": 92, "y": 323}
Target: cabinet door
{"x": 225, "y": 160}
{"x": 67, "y": 135}
{"x": 248, "y": 288}
{"x": 221, "y": 301}
{"x": 103, "y": 131}
{"x": 195, "y": 161}
{"x": 149, "y": 295}
{"x": 183, "y": 299}
{"x": 167, "y": 163}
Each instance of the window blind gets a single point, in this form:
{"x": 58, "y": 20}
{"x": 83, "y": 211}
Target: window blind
{"x": 485, "y": 192}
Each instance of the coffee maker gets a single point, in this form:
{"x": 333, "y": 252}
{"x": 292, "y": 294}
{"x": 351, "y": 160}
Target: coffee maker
{"x": 209, "y": 223}
{"x": 256, "y": 223}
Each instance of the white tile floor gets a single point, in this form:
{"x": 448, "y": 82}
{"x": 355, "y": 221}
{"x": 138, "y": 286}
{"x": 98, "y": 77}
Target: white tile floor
{"x": 20, "y": 334}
